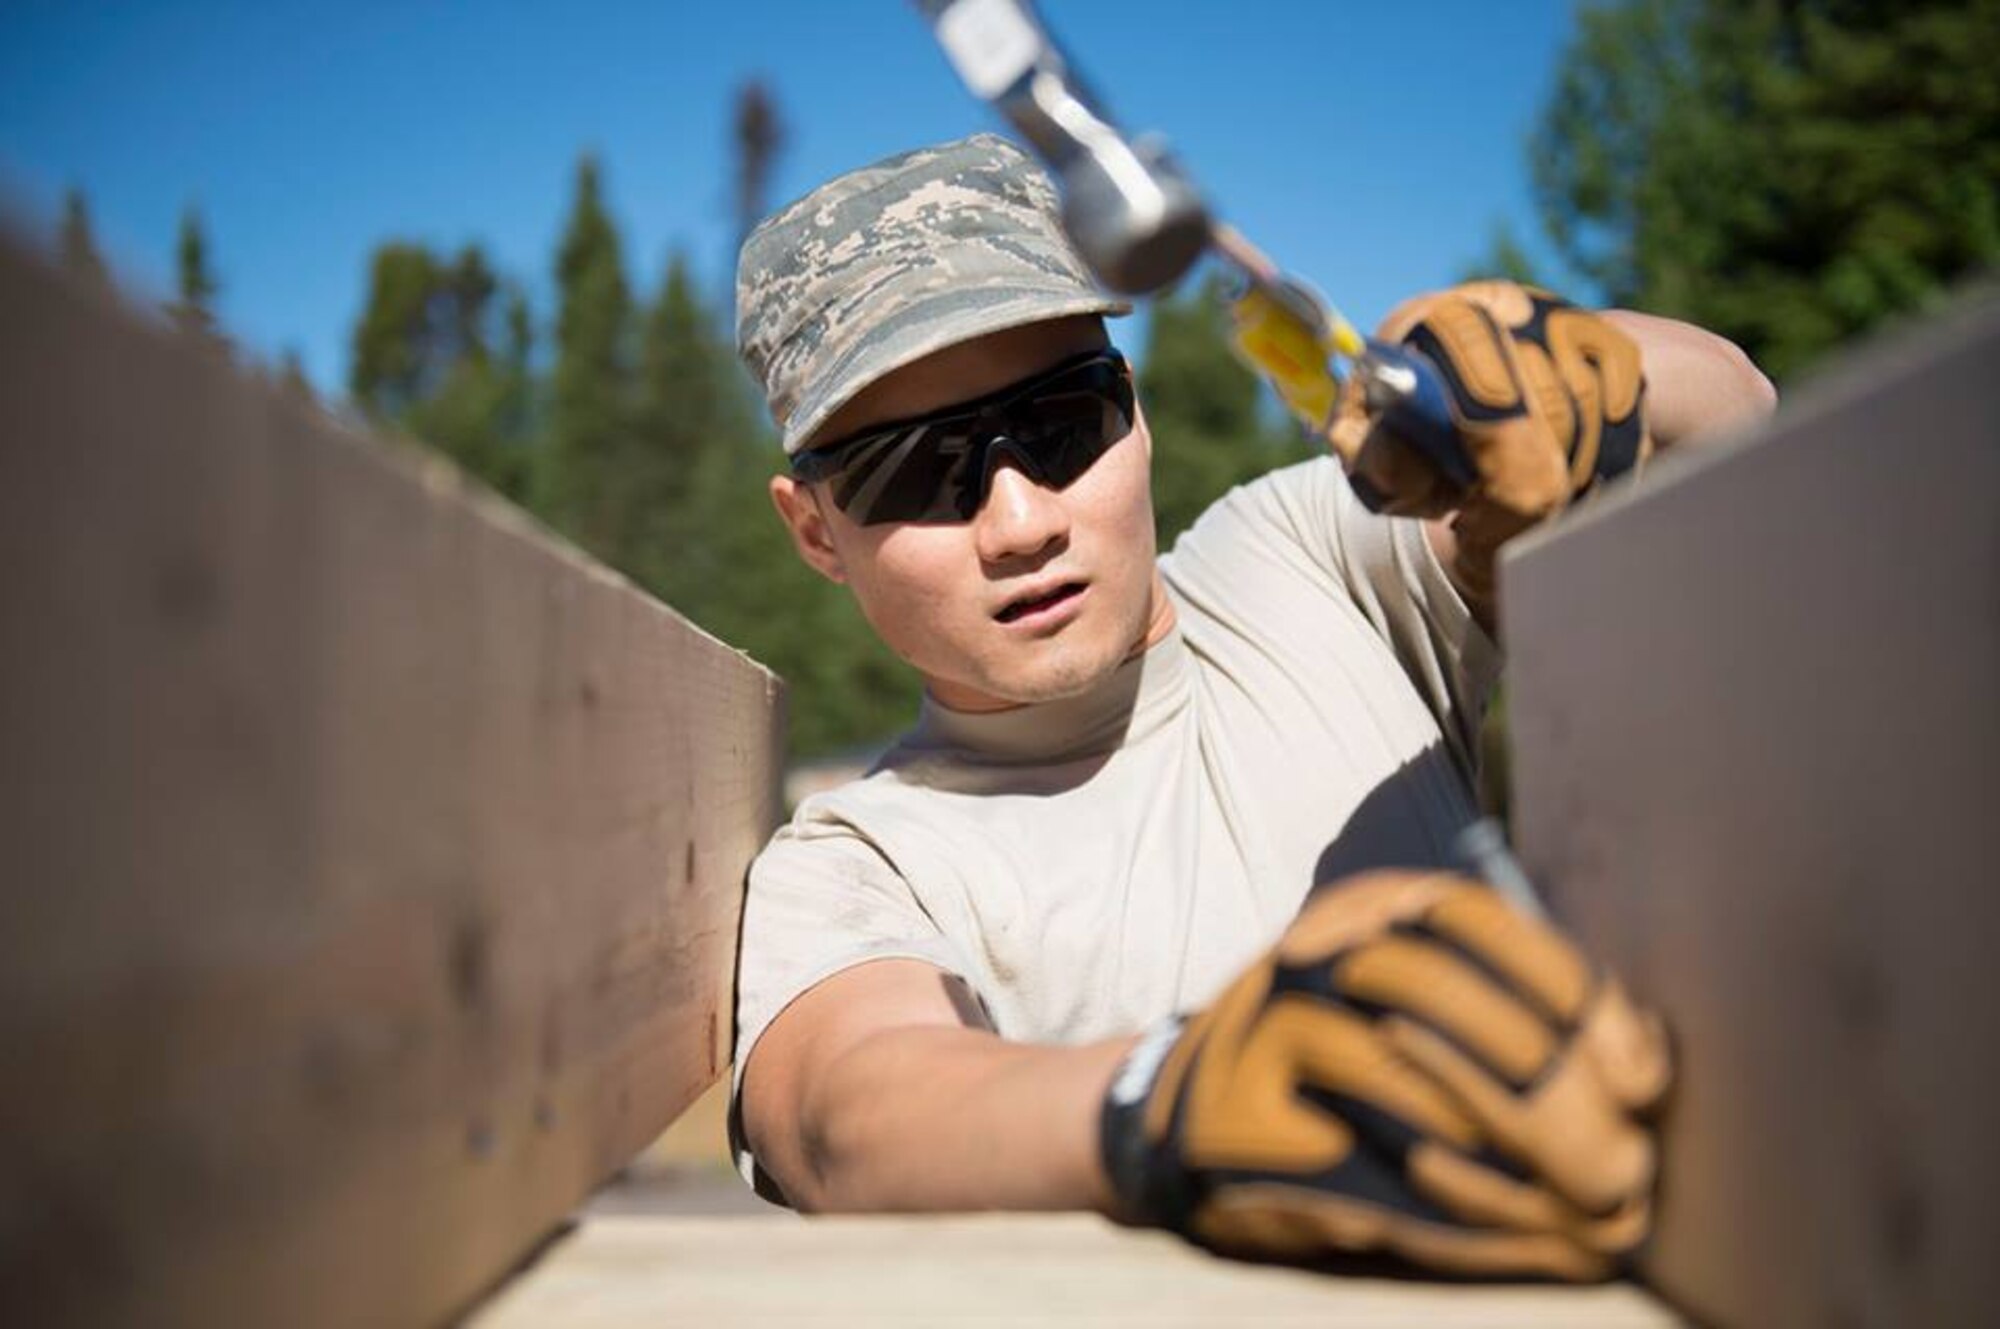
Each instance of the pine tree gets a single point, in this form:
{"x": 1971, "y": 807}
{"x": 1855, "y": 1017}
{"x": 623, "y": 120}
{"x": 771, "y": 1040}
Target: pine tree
{"x": 758, "y": 136}
{"x": 424, "y": 359}
{"x": 396, "y": 360}
{"x": 690, "y": 417}
{"x": 589, "y": 403}
{"x": 706, "y": 540}
{"x": 77, "y": 247}
{"x": 1790, "y": 173}
{"x": 515, "y": 418}
{"x": 195, "y": 282}
{"x": 736, "y": 573}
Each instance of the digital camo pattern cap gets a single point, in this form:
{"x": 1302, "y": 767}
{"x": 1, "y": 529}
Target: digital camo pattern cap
{"x": 886, "y": 264}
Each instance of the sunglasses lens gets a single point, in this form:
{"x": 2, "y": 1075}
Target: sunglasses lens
{"x": 1073, "y": 423}
{"x": 919, "y": 489}
{"x": 937, "y": 470}
{"x": 915, "y": 479}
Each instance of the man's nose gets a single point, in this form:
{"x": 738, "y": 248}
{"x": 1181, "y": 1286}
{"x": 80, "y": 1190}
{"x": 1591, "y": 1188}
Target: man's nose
{"x": 1019, "y": 516}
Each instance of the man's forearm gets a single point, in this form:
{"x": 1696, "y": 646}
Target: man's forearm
{"x": 942, "y": 1118}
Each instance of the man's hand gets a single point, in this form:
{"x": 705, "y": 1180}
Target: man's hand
{"x": 1415, "y": 1069}
{"x": 1548, "y": 400}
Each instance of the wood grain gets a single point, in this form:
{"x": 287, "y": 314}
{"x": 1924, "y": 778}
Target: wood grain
{"x": 1757, "y": 757}
{"x": 994, "y": 1271}
{"x": 372, "y": 861}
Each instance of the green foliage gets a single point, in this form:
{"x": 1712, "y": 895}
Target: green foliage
{"x": 692, "y": 411}
{"x": 589, "y": 403}
{"x": 643, "y": 442}
{"x": 434, "y": 355}
{"x": 701, "y": 533}
{"x": 651, "y": 452}
{"x": 1790, "y": 173}
{"x": 742, "y": 581}
{"x": 76, "y": 248}
{"x": 195, "y": 282}
{"x": 1205, "y": 411}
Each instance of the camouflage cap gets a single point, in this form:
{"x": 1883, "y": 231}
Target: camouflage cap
{"x": 884, "y": 265}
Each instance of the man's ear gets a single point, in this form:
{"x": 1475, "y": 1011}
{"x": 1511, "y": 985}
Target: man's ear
{"x": 799, "y": 509}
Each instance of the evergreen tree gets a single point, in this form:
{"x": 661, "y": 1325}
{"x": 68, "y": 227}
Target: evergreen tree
{"x": 590, "y": 394}
{"x": 77, "y": 248}
{"x": 195, "y": 282}
{"x": 1790, "y": 173}
{"x": 471, "y": 416}
{"x": 734, "y": 570}
{"x": 516, "y": 421}
{"x": 705, "y": 538}
{"x": 397, "y": 360}
{"x": 647, "y": 450}
{"x": 424, "y": 360}
{"x": 758, "y": 136}
{"x": 690, "y": 416}
{"x": 1205, "y": 410}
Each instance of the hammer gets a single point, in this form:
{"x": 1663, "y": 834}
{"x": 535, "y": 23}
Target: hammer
{"x": 1140, "y": 223}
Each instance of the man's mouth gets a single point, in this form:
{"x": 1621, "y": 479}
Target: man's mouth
{"x": 1034, "y": 605}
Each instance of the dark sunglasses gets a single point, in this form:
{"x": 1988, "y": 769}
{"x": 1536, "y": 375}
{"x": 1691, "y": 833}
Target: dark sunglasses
{"x": 936, "y": 467}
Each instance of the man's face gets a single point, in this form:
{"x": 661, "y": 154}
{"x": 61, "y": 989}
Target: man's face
{"x": 1042, "y": 592}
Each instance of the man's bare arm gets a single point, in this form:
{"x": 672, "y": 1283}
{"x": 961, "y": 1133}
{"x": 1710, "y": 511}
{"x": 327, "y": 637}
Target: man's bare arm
{"x": 880, "y": 1088}
{"x": 1696, "y": 382}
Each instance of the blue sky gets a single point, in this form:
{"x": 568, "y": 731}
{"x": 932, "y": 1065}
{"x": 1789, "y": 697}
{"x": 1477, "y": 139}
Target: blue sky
{"x": 1370, "y": 147}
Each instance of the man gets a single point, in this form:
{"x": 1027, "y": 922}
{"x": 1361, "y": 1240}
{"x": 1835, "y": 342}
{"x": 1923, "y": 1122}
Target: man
{"x": 1129, "y": 774}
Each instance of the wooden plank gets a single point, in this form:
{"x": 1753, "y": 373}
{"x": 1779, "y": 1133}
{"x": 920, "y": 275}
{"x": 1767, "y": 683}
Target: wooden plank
{"x": 373, "y": 862}
{"x": 992, "y": 1270}
{"x": 1757, "y": 750}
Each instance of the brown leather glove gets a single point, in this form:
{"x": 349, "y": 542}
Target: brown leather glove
{"x": 1415, "y": 1069}
{"x": 1548, "y": 400}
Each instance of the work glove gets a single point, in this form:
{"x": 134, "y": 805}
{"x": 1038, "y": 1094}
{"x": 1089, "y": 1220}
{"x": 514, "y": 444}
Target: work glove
{"x": 1416, "y": 1069}
{"x": 1547, "y": 399}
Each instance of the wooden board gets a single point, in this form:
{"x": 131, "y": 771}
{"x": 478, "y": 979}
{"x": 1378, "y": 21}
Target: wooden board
{"x": 372, "y": 862}
{"x": 1757, "y": 760}
{"x": 990, "y": 1270}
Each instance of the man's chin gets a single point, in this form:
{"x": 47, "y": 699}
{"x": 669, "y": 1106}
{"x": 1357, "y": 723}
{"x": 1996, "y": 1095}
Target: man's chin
{"x": 1056, "y": 679}
{"x": 1079, "y": 668}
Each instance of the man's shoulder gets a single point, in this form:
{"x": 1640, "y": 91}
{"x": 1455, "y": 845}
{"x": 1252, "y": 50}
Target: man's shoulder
{"x": 846, "y": 803}
{"x": 1278, "y": 501}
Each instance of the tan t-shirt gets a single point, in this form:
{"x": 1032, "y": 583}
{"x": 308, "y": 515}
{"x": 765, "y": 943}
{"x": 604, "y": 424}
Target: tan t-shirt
{"x": 1090, "y": 865}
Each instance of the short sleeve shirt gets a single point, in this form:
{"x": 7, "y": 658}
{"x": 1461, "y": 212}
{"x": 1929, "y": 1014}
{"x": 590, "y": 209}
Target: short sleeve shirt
{"x": 1092, "y": 864}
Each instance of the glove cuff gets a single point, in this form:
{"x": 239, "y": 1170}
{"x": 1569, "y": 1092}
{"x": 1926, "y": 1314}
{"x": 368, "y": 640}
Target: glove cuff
{"x": 1146, "y": 1192}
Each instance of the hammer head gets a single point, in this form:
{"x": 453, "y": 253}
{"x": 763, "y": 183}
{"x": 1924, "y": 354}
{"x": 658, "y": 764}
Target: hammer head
{"x": 1137, "y": 222}
{"x": 1132, "y": 213}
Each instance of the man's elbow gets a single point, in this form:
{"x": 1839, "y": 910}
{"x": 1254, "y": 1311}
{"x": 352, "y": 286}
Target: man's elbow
{"x": 1698, "y": 381}
{"x": 824, "y": 1175}
{"x": 812, "y": 1146}
{"x": 795, "y": 1153}
{"x": 1734, "y": 391}
{"x": 1756, "y": 396}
